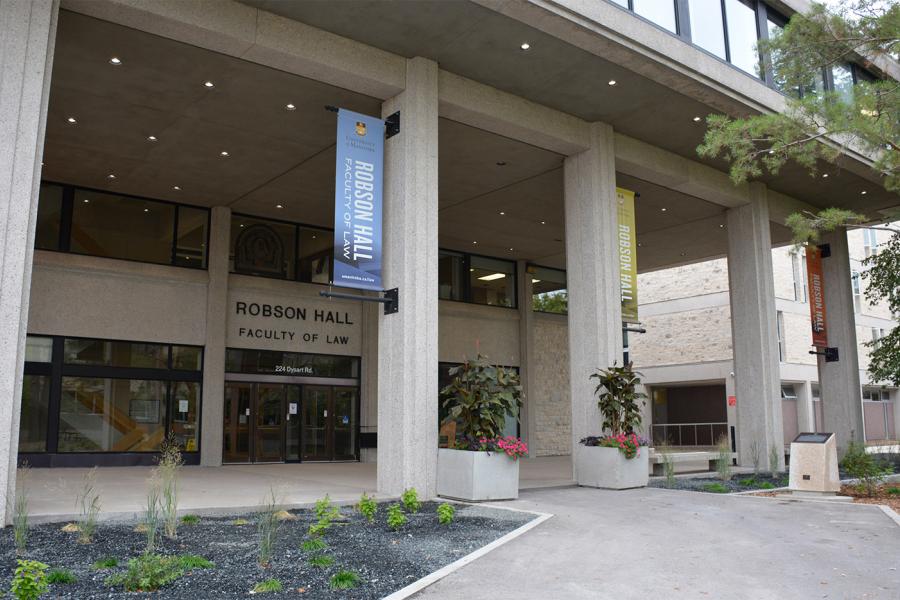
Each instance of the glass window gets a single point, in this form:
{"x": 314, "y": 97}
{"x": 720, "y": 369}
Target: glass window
{"x": 798, "y": 268}
{"x": 788, "y": 392}
{"x": 742, "y": 36}
{"x": 774, "y": 30}
{"x": 46, "y": 235}
{"x": 111, "y": 415}
{"x": 273, "y": 362}
{"x": 548, "y": 290}
{"x": 185, "y": 414}
{"x": 38, "y": 349}
{"x": 492, "y": 281}
{"x": 857, "y": 291}
{"x": 661, "y": 12}
{"x": 190, "y": 245}
{"x": 451, "y": 275}
{"x": 842, "y": 77}
{"x": 33, "y": 420}
{"x": 870, "y": 242}
{"x": 316, "y": 252}
{"x": 262, "y": 247}
{"x": 779, "y": 325}
{"x": 621, "y": 3}
{"x": 187, "y": 358}
{"x": 817, "y": 87}
{"x": 707, "y": 27}
{"x": 116, "y": 354}
{"x": 117, "y": 227}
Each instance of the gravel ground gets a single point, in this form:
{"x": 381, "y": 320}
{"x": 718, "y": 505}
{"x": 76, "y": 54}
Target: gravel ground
{"x": 738, "y": 483}
{"x": 385, "y": 560}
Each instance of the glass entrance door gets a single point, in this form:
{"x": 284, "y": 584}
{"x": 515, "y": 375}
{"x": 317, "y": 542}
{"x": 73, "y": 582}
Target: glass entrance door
{"x": 236, "y": 445}
{"x": 254, "y": 424}
{"x": 329, "y": 423}
{"x": 269, "y": 407}
{"x": 344, "y": 423}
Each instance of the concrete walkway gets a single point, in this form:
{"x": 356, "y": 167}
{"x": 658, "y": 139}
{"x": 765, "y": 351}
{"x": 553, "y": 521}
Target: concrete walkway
{"x": 235, "y": 488}
{"x": 655, "y": 544}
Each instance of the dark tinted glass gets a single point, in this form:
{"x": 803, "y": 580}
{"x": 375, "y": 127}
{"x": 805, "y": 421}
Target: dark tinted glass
{"x": 262, "y": 247}
{"x": 190, "y": 249}
{"x": 116, "y": 354}
{"x": 316, "y": 251}
{"x": 46, "y": 235}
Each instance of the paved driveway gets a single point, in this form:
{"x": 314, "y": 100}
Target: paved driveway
{"x": 657, "y": 544}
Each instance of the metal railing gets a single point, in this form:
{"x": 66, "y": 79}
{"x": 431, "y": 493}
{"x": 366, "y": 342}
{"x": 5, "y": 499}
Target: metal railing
{"x": 689, "y": 434}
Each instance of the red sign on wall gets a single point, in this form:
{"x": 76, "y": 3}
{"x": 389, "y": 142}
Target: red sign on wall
{"x": 816, "y": 296}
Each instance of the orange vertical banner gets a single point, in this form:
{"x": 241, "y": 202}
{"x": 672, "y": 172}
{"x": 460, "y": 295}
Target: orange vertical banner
{"x": 816, "y": 296}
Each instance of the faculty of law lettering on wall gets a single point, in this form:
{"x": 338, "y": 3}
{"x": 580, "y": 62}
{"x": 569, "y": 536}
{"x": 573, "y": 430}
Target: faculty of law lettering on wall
{"x": 300, "y": 325}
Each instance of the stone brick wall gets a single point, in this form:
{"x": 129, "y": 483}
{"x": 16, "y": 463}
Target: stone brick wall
{"x": 797, "y": 339}
{"x": 684, "y": 337}
{"x": 683, "y": 282}
{"x": 549, "y": 400}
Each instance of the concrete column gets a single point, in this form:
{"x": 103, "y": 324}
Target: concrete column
{"x": 527, "y": 357}
{"x": 806, "y": 418}
{"x": 839, "y": 384}
{"x": 592, "y": 273}
{"x": 753, "y": 333}
{"x": 731, "y": 411}
{"x": 369, "y": 378}
{"x": 213, "y": 407}
{"x": 408, "y": 340}
{"x": 27, "y": 36}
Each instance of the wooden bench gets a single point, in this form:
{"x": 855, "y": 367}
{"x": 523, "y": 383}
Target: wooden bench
{"x": 657, "y": 463}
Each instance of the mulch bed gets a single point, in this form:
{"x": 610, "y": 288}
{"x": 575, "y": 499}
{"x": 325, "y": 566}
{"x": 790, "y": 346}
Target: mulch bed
{"x": 385, "y": 560}
{"x": 882, "y": 496}
{"x": 714, "y": 485}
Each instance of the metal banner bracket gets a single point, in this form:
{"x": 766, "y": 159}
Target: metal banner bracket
{"x": 390, "y": 299}
{"x": 830, "y": 354}
{"x": 825, "y": 250}
{"x": 392, "y": 125}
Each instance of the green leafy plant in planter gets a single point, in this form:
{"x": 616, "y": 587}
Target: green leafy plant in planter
{"x": 479, "y": 398}
{"x": 620, "y": 406}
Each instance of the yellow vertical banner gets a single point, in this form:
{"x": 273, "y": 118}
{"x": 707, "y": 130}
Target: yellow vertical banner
{"x": 627, "y": 244}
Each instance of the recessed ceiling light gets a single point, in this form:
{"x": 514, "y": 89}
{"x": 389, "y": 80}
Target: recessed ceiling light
{"x": 223, "y": 153}
{"x": 475, "y": 242}
{"x": 640, "y": 244}
{"x": 682, "y": 254}
{"x": 314, "y": 236}
{"x": 771, "y": 152}
{"x": 501, "y": 163}
{"x": 663, "y": 209}
{"x": 151, "y": 138}
{"x": 511, "y": 249}
{"x": 863, "y": 193}
{"x": 611, "y": 82}
{"x": 290, "y": 106}
{"x": 543, "y": 222}
{"x": 502, "y": 213}
{"x": 697, "y": 119}
{"x": 86, "y": 201}
{"x": 242, "y": 224}
{"x": 278, "y": 206}
{"x": 177, "y": 188}
{"x": 111, "y": 176}
{"x": 525, "y": 46}
{"x": 146, "y": 210}
{"x": 71, "y": 120}
{"x": 209, "y": 84}
{"x": 722, "y": 226}
{"x": 115, "y": 61}
{"x": 824, "y": 175}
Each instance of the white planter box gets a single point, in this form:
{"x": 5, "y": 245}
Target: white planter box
{"x": 597, "y": 466}
{"x": 477, "y": 476}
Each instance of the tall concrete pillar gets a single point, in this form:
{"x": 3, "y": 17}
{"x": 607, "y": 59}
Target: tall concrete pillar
{"x": 213, "y": 406}
{"x": 408, "y": 340}
{"x": 753, "y": 329}
{"x": 592, "y": 274}
{"x": 839, "y": 384}
{"x": 526, "y": 351}
{"x": 806, "y": 418}
{"x": 27, "y": 35}
{"x": 368, "y": 418}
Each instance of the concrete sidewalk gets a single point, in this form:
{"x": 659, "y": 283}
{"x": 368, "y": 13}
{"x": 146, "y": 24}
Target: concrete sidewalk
{"x": 655, "y": 544}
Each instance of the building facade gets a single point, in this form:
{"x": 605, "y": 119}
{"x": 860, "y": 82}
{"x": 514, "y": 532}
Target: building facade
{"x": 168, "y": 200}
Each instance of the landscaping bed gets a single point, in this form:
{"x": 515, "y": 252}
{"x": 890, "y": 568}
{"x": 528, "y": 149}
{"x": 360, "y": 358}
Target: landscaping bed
{"x": 384, "y": 560}
{"x": 715, "y": 485}
{"x": 888, "y": 493}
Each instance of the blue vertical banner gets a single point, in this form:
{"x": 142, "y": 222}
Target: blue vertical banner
{"x": 358, "y": 201}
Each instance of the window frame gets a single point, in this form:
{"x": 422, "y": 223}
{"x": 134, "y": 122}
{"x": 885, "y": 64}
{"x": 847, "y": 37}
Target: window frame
{"x": 67, "y": 214}
{"x": 565, "y": 274}
{"x": 467, "y": 280}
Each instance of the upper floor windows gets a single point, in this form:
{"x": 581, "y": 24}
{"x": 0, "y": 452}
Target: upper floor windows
{"x": 476, "y": 279}
{"x": 661, "y": 12}
{"x": 870, "y": 242}
{"x": 548, "y": 290}
{"x": 798, "y": 270}
{"x": 279, "y": 249}
{"x": 83, "y": 221}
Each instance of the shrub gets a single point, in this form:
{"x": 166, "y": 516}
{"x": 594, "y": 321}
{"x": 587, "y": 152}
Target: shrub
{"x": 767, "y": 485}
{"x": 410, "y": 500}
{"x": 893, "y": 491}
{"x": 190, "y": 520}
{"x": 395, "y": 517}
{"x": 170, "y": 463}
{"x": 863, "y": 467}
{"x": 30, "y": 580}
{"x": 267, "y": 586}
{"x": 445, "y": 513}
{"x": 618, "y": 399}
{"x": 321, "y": 560}
{"x": 367, "y": 507}
{"x": 774, "y": 460}
{"x": 749, "y": 482}
{"x": 344, "y": 580}
{"x": 267, "y": 529}
{"x": 715, "y": 488}
{"x": 89, "y": 506}
{"x": 189, "y": 562}
{"x": 20, "y": 510}
{"x": 512, "y": 446}
{"x": 723, "y": 461}
{"x": 148, "y": 572}
{"x": 480, "y": 396}
{"x": 313, "y": 545}
{"x": 318, "y": 528}
{"x": 110, "y": 562}
{"x": 151, "y": 513}
{"x": 61, "y": 577}
{"x": 324, "y": 509}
